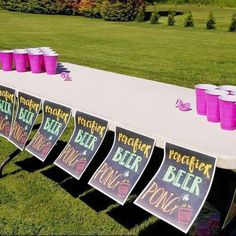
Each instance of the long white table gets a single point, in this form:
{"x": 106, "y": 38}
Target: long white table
{"x": 143, "y": 106}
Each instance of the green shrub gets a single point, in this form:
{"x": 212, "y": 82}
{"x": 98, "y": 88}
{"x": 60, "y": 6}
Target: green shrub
{"x": 232, "y": 27}
{"x": 113, "y": 10}
{"x": 140, "y": 15}
{"x": 171, "y": 18}
{"x": 210, "y": 24}
{"x": 188, "y": 22}
{"x": 155, "y": 16}
{"x": 120, "y": 10}
{"x": 88, "y": 8}
{"x": 64, "y": 7}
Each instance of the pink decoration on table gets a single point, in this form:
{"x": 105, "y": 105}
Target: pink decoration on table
{"x": 183, "y": 106}
{"x": 66, "y": 76}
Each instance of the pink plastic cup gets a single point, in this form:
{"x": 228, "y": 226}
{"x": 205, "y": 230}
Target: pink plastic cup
{"x": 201, "y": 97}
{"x": 20, "y": 60}
{"x": 6, "y": 60}
{"x": 45, "y": 49}
{"x": 36, "y": 62}
{"x": 228, "y": 112}
{"x": 212, "y": 104}
{"x": 229, "y": 88}
{"x": 50, "y": 61}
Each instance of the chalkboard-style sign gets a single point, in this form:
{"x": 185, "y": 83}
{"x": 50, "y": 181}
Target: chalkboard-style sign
{"x": 87, "y": 137}
{"x": 55, "y": 120}
{"x": 231, "y": 212}
{"x": 124, "y": 165}
{"x": 179, "y": 189}
{"x": 7, "y": 102}
{"x": 27, "y": 112}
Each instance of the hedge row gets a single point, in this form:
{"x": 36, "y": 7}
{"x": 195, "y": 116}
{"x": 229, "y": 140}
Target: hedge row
{"x": 112, "y": 10}
{"x": 39, "y": 6}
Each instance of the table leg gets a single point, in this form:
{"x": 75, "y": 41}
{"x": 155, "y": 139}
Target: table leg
{"x": 7, "y": 160}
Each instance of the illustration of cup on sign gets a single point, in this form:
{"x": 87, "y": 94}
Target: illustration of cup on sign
{"x": 47, "y": 147}
{"x": 7, "y": 126}
{"x": 185, "y": 210}
{"x": 124, "y": 186}
{"x": 82, "y": 162}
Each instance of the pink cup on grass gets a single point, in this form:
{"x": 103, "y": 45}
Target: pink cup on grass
{"x": 36, "y": 62}
{"x": 50, "y": 62}
{"x": 6, "y": 59}
{"x": 201, "y": 97}
{"x": 20, "y": 60}
{"x": 228, "y": 112}
{"x": 212, "y": 104}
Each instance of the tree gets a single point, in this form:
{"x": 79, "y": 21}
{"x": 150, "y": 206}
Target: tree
{"x": 232, "y": 27}
{"x": 188, "y": 22}
{"x": 211, "y": 21}
{"x": 155, "y": 16}
{"x": 171, "y": 18}
{"x": 141, "y": 14}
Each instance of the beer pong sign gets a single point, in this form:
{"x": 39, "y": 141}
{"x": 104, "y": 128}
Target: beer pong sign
{"x": 87, "y": 137}
{"x": 124, "y": 165}
{"x": 179, "y": 189}
{"x": 7, "y": 102}
{"x": 55, "y": 120}
{"x": 27, "y": 112}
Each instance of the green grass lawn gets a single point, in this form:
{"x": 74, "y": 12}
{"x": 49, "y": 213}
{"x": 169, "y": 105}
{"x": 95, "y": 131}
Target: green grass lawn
{"x": 34, "y": 198}
{"x": 183, "y": 56}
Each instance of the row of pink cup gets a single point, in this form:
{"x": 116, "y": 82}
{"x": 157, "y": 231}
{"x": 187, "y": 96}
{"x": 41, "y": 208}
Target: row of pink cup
{"x": 38, "y": 60}
{"x": 217, "y": 103}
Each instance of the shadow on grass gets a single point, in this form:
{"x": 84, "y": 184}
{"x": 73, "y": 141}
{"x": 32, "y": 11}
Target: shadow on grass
{"x": 130, "y": 215}
{"x": 11, "y": 173}
{"x": 77, "y": 187}
{"x": 222, "y": 190}
{"x": 161, "y": 228}
{"x": 221, "y": 195}
{"x": 7, "y": 161}
{"x": 230, "y": 229}
{"x": 97, "y": 200}
{"x": 12, "y": 156}
{"x": 67, "y": 182}
{"x": 33, "y": 164}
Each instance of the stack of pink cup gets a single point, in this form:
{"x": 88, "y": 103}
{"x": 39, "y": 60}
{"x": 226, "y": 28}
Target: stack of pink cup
{"x": 20, "y": 57}
{"x": 217, "y": 103}
{"x": 38, "y": 60}
{"x": 50, "y": 60}
{"x": 6, "y": 59}
{"x": 43, "y": 59}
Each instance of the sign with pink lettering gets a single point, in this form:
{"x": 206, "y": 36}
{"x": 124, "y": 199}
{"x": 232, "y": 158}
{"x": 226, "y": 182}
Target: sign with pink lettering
{"x": 124, "y": 165}
{"x": 179, "y": 189}
{"x": 7, "y": 102}
{"x": 87, "y": 137}
{"x": 27, "y": 112}
{"x": 55, "y": 120}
